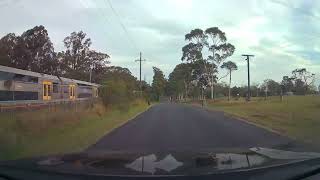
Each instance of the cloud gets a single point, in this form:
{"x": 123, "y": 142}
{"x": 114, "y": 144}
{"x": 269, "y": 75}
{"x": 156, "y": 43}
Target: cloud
{"x": 282, "y": 34}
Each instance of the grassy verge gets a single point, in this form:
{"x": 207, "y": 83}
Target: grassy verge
{"x": 296, "y": 116}
{"x": 39, "y": 133}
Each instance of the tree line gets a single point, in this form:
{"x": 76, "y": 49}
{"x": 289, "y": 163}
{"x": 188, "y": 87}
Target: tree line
{"x": 34, "y": 51}
{"x": 181, "y": 85}
{"x": 204, "y": 54}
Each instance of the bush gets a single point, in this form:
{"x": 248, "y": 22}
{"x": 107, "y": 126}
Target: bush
{"x": 116, "y": 93}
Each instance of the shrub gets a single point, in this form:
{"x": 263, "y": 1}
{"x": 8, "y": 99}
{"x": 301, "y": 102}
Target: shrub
{"x": 116, "y": 93}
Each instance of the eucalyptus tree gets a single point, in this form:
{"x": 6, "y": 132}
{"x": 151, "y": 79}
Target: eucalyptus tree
{"x": 305, "y": 76}
{"x": 230, "y": 66}
{"x": 216, "y": 41}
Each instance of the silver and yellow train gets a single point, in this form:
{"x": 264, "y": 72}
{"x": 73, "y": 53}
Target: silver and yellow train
{"x": 21, "y": 85}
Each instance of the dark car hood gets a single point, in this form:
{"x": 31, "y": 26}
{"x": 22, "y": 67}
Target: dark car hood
{"x": 169, "y": 163}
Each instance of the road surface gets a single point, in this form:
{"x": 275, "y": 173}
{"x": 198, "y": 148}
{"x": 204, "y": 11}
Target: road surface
{"x": 176, "y": 127}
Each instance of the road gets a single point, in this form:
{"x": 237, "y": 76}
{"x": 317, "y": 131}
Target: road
{"x": 176, "y": 127}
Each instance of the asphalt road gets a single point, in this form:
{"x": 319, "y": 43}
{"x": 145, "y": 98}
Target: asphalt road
{"x": 176, "y": 127}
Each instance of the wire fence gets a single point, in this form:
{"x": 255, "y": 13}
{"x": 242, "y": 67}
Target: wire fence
{"x": 31, "y": 105}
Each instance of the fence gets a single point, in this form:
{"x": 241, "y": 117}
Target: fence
{"x": 31, "y": 105}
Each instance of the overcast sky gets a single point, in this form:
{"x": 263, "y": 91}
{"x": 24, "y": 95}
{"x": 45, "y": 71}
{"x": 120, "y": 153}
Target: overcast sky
{"x": 283, "y": 35}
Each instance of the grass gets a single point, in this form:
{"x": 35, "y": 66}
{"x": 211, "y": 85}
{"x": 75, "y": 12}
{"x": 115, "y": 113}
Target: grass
{"x": 38, "y": 133}
{"x": 297, "y": 117}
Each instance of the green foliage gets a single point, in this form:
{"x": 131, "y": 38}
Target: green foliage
{"x": 301, "y": 82}
{"x": 272, "y": 87}
{"x": 78, "y": 59}
{"x": 118, "y": 87}
{"x": 33, "y": 51}
{"x": 180, "y": 79}
{"x": 215, "y": 42}
{"x": 231, "y": 66}
{"x": 159, "y": 83}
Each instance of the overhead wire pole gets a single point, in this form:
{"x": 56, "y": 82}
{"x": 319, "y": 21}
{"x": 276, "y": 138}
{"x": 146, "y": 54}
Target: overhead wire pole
{"x": 248, "y": 64}
{"x": 140, "y": 61}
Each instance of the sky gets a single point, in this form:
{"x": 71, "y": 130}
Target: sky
{"x": 283, "y": 35}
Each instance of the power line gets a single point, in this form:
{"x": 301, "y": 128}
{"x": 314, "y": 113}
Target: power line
{"x": 122, "y": 25}
{"x": 105, "y": 20}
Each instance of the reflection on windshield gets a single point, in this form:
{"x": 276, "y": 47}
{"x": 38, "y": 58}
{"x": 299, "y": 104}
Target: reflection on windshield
{"x": 150, "y": 164}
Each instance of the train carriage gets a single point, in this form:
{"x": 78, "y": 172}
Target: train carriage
{"x": 22, "y": 85}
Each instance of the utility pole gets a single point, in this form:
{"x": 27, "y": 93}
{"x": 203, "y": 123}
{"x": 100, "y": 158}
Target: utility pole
{"x": 248, "y": 64}
{"x": 140, "y": 60}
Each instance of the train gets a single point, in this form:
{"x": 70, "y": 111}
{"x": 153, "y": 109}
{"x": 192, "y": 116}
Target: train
{"x": 17, "y": 85}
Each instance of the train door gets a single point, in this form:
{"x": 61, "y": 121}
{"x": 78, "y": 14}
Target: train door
{"x": 94, "y": 92}
{"x": 72, "y": 92}
{"x": 46, "y": 90}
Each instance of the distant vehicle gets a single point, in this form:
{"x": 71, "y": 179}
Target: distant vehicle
{"x": 21, "y": 85}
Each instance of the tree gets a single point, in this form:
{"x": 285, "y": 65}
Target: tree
{"x": 192, "y": 53}
{"x": 32, "y": 51}
{"x": 219, "y": 48}
{"x": 159, "y": 83}
{"x": 118, "y": 87}
{"x": 235, "y": 91}
{"x": 40, "y": 52}
{"x": 4, "y": 58}
{"x": 287, "y": 84}
{"x": 271, "y": 87}
{"x": 78, "y": 61}
{"x": 193, "y": 50}
{"x": 180, "y": 79}
{"x": 7, "y": 48}
{"x": 230, "y": 66}
{"x": 77, "y": 49}
{"x": 201, "y": 73}
{"x": 299, "y": 87}
{"x": 146, "y": 90}
{"x": 305, "y": 76}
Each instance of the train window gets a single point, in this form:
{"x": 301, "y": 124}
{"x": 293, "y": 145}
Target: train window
{"x": 6, "y": 75}
{"x": 55, "y": 88}
{"x": 65, "y": 89}
{"x": 33, "y": 79}
{"x": 24, "y": 78}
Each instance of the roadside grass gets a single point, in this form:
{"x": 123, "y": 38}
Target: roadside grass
{"x": 297, "y": 117}
{"x": 37, "y": 133}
